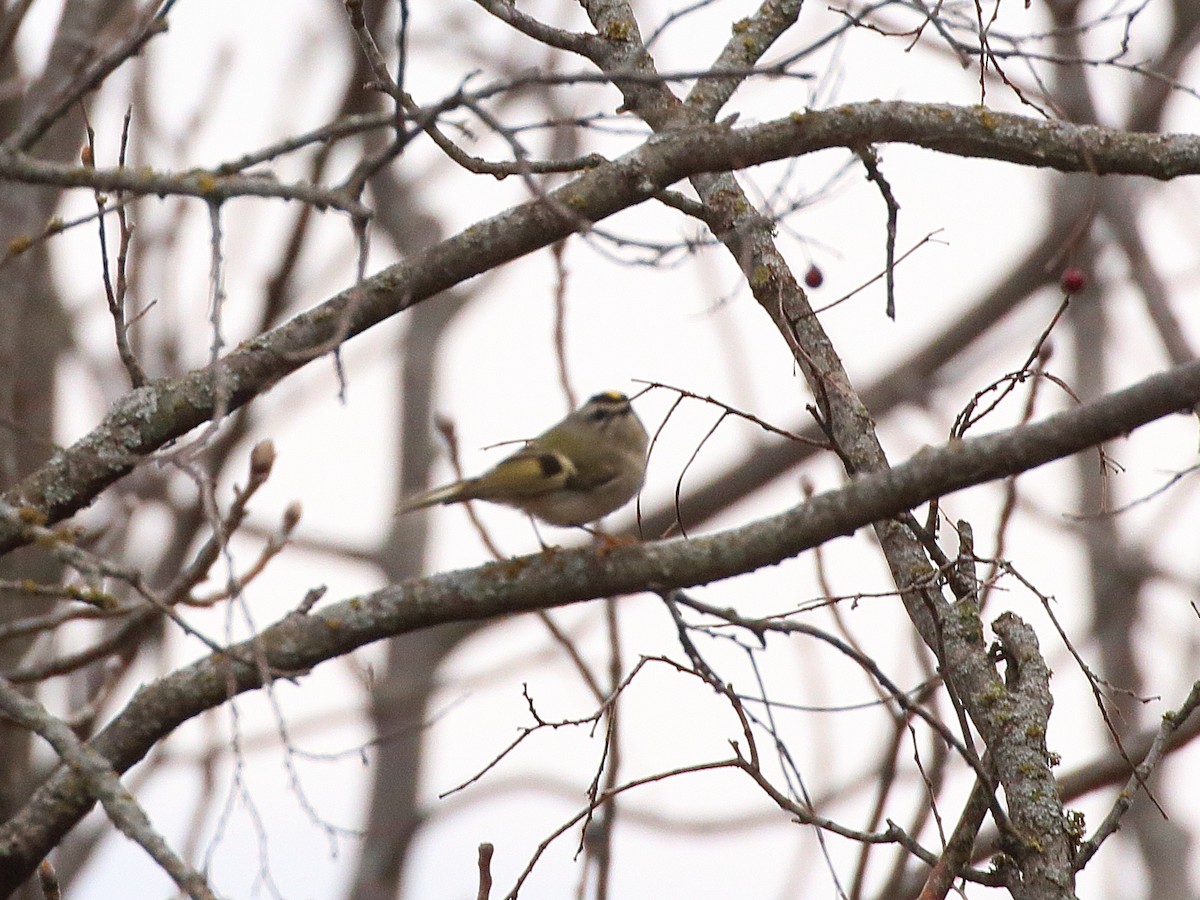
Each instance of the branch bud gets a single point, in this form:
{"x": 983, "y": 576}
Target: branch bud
{"x": 262, "y": 458}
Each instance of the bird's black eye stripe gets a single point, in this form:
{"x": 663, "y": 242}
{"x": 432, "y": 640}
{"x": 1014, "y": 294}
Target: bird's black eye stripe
{"x": 608, "y": 406}
{"x": 601, "y": 414}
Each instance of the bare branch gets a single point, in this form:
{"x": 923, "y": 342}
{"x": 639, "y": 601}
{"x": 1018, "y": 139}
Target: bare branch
{"x": 103, "y": 784}
{"x": 149, "y": 417}
{"x": 298, "y": 642}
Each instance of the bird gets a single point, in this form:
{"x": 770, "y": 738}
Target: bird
{"x": 574, "y": 473}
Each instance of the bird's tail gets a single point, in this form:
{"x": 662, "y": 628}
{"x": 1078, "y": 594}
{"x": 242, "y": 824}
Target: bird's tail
{"x": 450, "y": 493}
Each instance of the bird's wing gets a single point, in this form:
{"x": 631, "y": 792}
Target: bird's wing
{"x": 597, "y": 476}
{"x": 527, "y": 473}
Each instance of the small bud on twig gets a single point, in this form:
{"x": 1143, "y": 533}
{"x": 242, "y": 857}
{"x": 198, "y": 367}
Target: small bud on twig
{"x": 262, "y": 458}
{"x": 291, "y": 516}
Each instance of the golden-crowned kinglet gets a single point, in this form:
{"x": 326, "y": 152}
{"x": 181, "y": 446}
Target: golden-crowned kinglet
{"x": 583, "y": 468}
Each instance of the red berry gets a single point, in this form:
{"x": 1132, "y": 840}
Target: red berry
{"x": 1073, "y": 280}
{"x": 814, "y": 278}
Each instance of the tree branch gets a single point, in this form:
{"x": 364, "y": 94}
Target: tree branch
{"x": 101, "y": 783}
{"x": 300, "y": 642}
{"x": 146, "y": 419}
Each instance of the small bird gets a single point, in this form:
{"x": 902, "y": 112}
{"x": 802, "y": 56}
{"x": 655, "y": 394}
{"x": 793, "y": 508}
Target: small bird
{"x": 590, "y": 463}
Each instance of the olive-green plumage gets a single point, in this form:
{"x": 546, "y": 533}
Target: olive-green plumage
{"x": 586, "y": 466}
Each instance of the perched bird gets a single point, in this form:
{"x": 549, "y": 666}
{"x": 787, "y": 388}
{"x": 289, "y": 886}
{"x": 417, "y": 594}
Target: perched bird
{"x": 590, "y": 463}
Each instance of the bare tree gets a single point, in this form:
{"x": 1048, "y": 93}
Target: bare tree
{"x": 425, "y": 156}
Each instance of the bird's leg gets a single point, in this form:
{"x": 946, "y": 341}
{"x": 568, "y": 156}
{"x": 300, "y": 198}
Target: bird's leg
{"x": 606, "y": 542}
{"x": 538, "y": 534}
